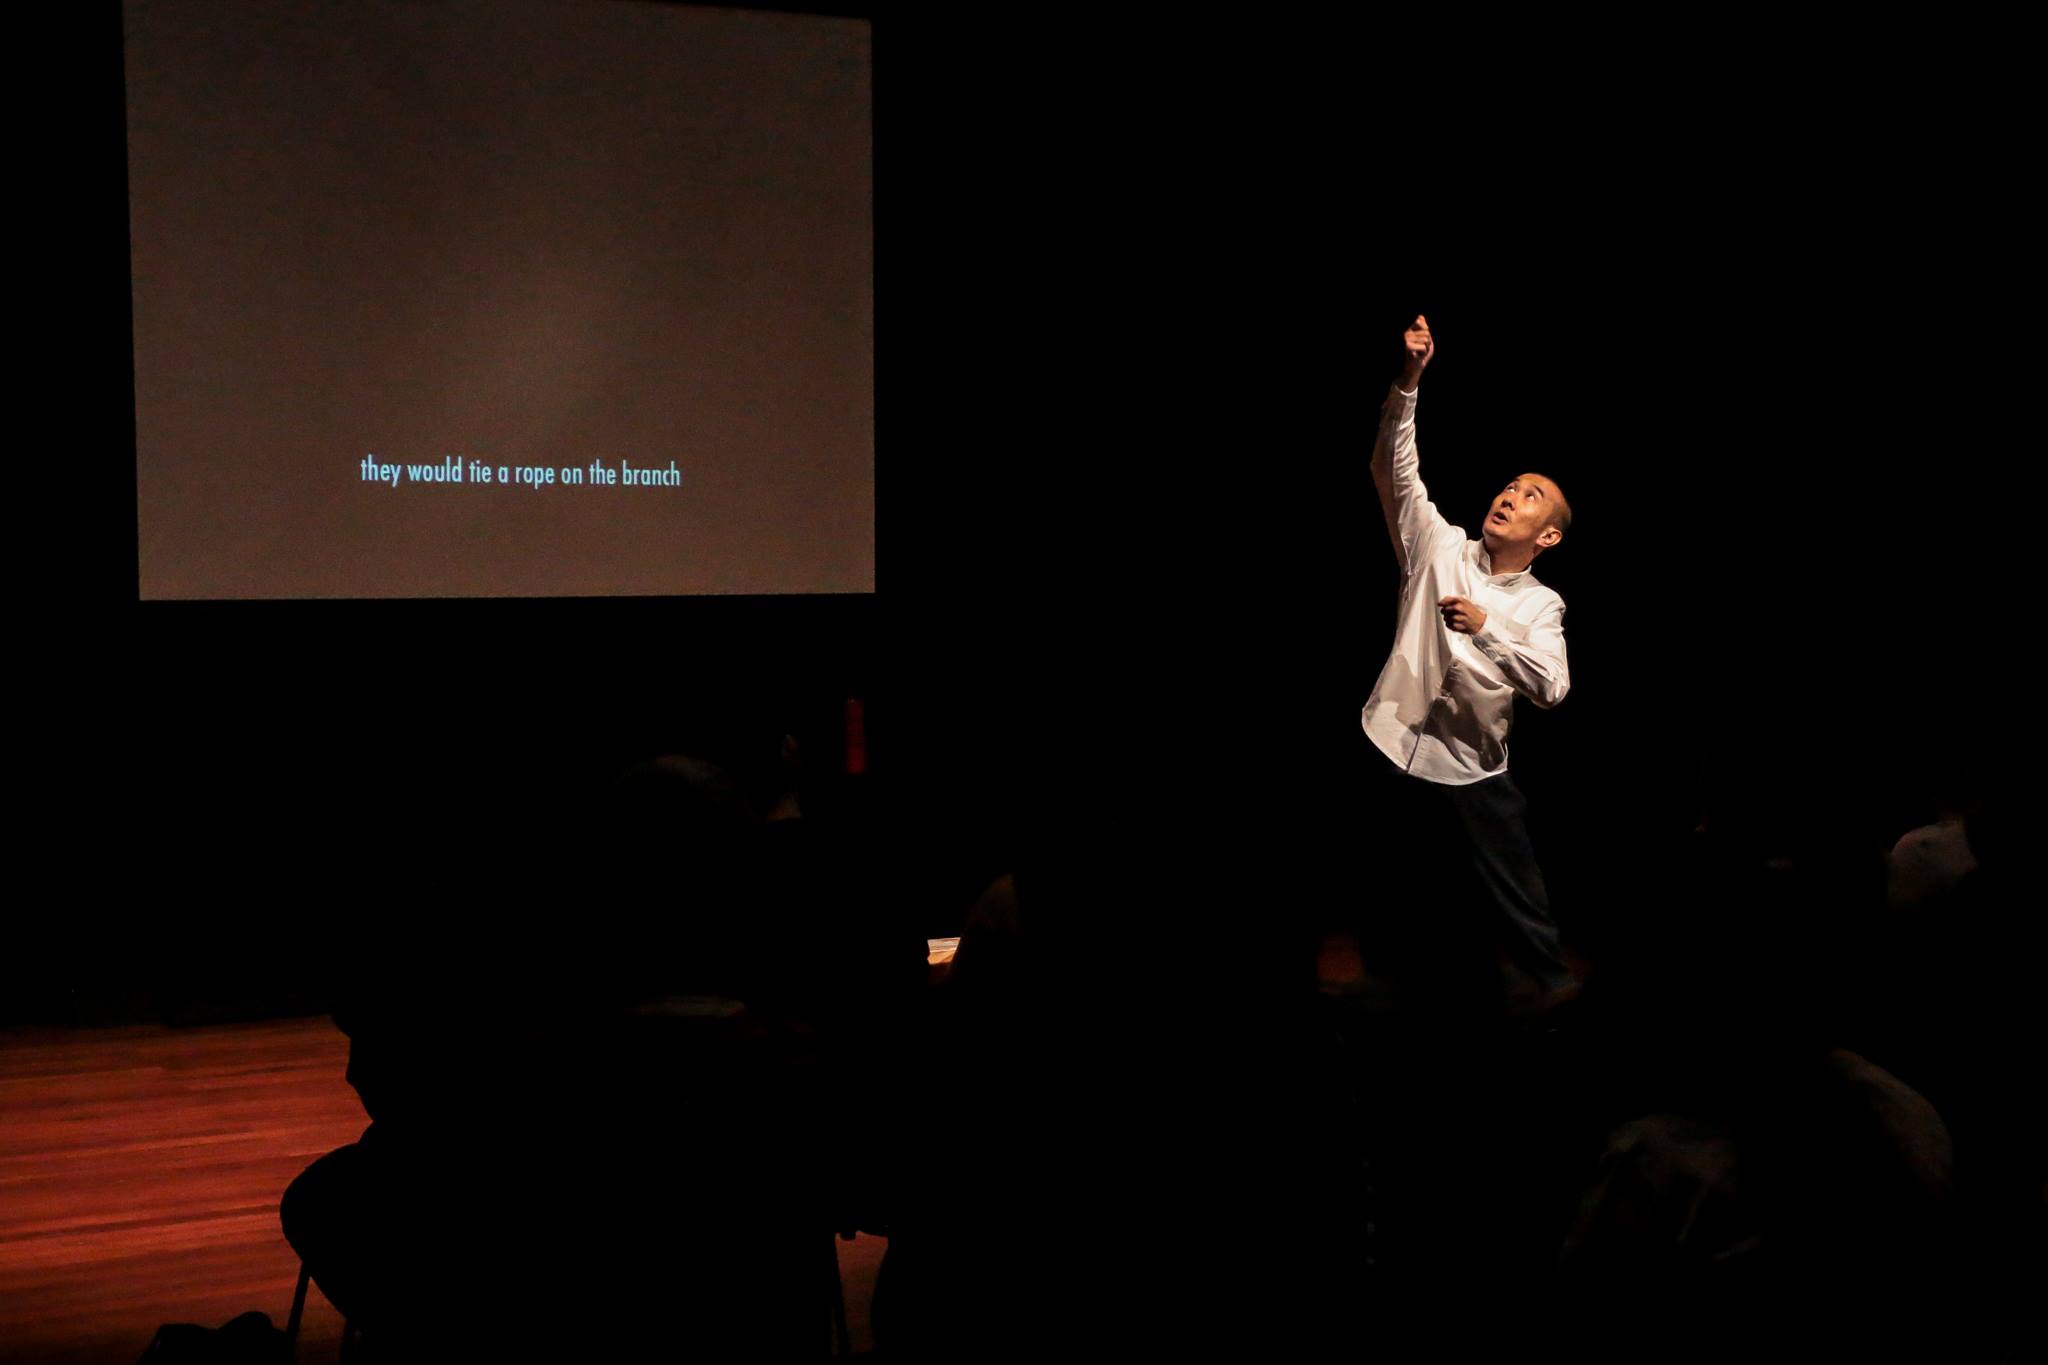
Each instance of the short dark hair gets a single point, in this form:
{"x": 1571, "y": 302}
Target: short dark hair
{"x": 1560, "y": 508}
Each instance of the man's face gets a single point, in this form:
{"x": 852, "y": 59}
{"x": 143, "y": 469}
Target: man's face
{"x": 1520, "y": 516}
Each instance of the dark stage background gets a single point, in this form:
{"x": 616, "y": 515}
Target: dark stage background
{"x": 1139, "y": 290}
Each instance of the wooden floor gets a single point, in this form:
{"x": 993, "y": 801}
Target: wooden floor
{"x": 140, "y": 1171}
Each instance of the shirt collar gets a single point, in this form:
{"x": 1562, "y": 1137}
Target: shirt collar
{"x": 1486, "y": 567}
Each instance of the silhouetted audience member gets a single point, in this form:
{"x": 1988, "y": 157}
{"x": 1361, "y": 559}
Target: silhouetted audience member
{"x": 1761, "y": 1183}
{"x": 582, "y": 1143}
{"x": 1927, "y": 863}
{"x": 1138, "y": 1147}
{"x": 1817, "y": 1202}
{"x": 843, "y": 964}
{"x": 1956, "y": 1012}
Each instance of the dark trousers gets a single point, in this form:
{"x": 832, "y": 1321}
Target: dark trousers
{"x": 1452, "y": 885}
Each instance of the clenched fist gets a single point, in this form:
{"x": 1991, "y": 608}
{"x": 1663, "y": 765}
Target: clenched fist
{"x": 1421, "y": 347}
{"x": 1462, "y": 614}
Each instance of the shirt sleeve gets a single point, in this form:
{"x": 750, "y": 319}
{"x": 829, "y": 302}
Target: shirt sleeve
{"x": 1412, "y": 519}
{"x": 1531, "y": 657}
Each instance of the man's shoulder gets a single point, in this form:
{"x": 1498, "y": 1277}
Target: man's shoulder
{"x": 1537, "y": 599}
{"x": 1531, "y": 588}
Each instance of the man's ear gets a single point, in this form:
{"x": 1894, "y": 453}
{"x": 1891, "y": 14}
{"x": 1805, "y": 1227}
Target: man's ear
{"x": 1548, "y": 537}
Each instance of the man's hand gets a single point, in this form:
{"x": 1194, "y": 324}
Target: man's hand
{"x": 1462, "y": 614}
{"x": 1421, "y": 349}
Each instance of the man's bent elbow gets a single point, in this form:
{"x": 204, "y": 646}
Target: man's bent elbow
{"x": 1551, "y": 693}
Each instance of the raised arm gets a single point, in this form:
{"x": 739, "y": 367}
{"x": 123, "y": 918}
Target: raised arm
{"x": 1412, "y": 519}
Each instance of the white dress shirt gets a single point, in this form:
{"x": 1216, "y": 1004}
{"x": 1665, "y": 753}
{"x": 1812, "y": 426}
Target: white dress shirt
{"x": 1444, "y": 703}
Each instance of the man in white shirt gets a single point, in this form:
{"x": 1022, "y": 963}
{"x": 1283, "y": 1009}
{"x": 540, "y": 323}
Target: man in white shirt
{"x": 1475, "y": 629}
